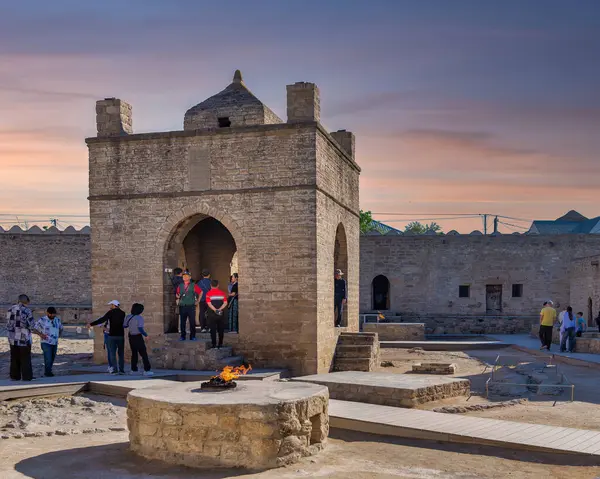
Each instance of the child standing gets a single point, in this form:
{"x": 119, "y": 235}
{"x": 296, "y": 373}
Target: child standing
{"x": 135, "y": 323}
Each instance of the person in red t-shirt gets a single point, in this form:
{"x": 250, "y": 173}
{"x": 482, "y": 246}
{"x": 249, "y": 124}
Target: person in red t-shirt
{"x": 188, "y": 296}
{"x": 216, "y": 300}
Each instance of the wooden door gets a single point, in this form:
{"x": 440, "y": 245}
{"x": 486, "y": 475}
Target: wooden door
{"x": 493, "y": 298}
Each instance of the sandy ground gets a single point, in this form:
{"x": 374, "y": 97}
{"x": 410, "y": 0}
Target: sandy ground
{"x": 72, "y": 351}
{"x": 82, "y": 414}
{"x": 348, "y": 455}
{"x": 583, "y": 413}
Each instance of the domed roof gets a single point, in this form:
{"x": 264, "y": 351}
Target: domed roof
{"x": 233, "y": 106}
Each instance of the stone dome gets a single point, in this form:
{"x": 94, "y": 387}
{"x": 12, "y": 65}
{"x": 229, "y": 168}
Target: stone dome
{"x": 231, "y": 107}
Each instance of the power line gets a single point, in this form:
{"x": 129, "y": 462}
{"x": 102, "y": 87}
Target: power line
{"x": 403, "y": 220}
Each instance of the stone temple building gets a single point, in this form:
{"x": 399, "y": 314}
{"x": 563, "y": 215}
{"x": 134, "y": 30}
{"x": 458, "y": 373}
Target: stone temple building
{"x": 238, "y": 185}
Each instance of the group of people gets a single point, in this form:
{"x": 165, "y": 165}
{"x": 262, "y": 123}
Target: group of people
{"x": 211, "y": 301}
{"x": 114, "y": 323}
{"x": 570, "y": 326}
{"x": 20, "y": 326}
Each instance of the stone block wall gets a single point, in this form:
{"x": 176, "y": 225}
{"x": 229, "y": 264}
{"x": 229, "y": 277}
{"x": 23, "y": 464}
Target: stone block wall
{"x": 585, "y": 287}
{"x": 397, "y": 331}
{"x": 337, "y": 215}
{"x": 52, "y": 268}
{"x": 425, "y": 273}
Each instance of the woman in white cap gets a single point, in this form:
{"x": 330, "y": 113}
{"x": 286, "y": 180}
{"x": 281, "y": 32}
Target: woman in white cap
{"x": 116, "y": 335}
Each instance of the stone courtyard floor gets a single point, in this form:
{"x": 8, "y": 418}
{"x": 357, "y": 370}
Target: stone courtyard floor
{"x": 349, "y": 454}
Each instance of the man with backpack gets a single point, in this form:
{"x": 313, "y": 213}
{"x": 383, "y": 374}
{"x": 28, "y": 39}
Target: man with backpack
{"x": 188, "y": 296}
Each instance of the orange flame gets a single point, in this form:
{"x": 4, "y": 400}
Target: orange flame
{"x": 230, "y": 373}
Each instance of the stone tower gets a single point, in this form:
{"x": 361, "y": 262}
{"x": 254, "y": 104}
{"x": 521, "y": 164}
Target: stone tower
{"x": 237, "y": 186}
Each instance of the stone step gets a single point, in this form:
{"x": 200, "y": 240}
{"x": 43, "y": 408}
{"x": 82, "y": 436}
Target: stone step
{"x": 216, "y": 354}
{"x": 356, "y": 340}
{"x": 231, "y": 361}
{"x": 353, "y": 351}
{"x": 352, "y": 364}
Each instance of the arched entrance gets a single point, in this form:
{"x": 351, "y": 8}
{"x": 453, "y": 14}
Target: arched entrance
{"x": 381, "y": 293}
{"x": 340, "y": 261}
{"x": 197, "y": 243}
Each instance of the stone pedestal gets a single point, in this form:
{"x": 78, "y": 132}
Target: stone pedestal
{"x": 257, "y": 425}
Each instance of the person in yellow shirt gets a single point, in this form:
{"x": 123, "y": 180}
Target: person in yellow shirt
{"x": 547, "y": 320}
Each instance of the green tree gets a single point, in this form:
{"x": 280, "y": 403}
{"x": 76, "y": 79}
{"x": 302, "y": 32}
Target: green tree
{"x": 420, "y": 228}
{"x": 366, "y": 221}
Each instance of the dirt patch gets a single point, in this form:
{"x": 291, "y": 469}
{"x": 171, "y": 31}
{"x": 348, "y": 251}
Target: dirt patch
{"x": 554, "y": 410}
{"x": 59, "y": 416}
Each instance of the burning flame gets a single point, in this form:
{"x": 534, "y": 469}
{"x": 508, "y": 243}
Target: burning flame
{"x": 230, "y": 373}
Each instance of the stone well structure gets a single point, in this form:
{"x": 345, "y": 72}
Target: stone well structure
{"x": 256, "y": 425}
{"x": 236, "y": 186}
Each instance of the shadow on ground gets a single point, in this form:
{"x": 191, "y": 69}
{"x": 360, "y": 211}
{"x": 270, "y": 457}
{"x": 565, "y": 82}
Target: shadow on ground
{"x": 108, "y": 461}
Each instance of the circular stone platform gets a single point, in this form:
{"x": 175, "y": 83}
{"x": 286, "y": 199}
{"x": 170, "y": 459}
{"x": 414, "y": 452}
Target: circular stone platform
{"x": 259, "y": 424}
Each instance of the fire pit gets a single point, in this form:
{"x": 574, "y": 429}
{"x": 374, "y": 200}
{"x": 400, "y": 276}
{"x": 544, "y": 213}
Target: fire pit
{"x": 225, "y": 380}
{"x": 256, "y": 425}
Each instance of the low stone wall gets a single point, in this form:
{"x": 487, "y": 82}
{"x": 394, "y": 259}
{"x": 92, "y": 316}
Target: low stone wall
{"x": 256, "y": 425}
{"x": 79, "y": 315}
{"x": 434, "y": 368}
{"x": 396, "y": 331}
{"x": 399, "y": 390}
{"x": 476, "y": 324}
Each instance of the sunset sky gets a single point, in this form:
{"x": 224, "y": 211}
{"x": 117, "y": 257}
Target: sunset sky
{"x": 459, "y": 107}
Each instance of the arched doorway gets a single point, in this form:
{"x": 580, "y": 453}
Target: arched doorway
{"x": 197, "y": 243}
{"x": 381, "y": 293}
{"x": 340, "y": 261}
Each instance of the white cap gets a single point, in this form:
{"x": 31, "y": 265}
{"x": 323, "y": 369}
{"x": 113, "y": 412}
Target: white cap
{"x": 115, "y": 302}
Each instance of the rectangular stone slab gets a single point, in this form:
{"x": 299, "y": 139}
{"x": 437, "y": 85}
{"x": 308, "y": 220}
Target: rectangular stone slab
{"x": 400, "y": 390}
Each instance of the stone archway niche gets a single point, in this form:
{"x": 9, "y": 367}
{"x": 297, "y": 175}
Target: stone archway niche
{"x": 197, "y": 243}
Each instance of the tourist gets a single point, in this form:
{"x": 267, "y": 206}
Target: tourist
{"x": 204, "y": 284}
{"x": 19, "y": 326}
{"x": 340, "y": 297}
{"x": 216, "y": 302}
{"x": 135, "y": 323}
{"x": 598, "y": 321}
{"x": 51, "y": 328}
{"x": 105, "y": 327}
{"x": 561, "y": 316}
{"x": 581, "y": 324}
{"x": 177, "y": 278}
{"x": 116, "y": 336}
{"x": 188, "y": 296}
{"x": 547, "y": 319}
{"x": 232, "y": 312}
{"x": 568, "y": 331}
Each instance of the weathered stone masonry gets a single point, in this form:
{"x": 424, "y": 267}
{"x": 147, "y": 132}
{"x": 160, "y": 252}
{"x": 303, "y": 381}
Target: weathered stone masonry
{"x": 52, "y": 267}
{"x": 281, "y": 189}
{"x": 425, "y": 273}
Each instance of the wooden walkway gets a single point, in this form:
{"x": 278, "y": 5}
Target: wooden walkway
{"x": 417, "y": 424}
